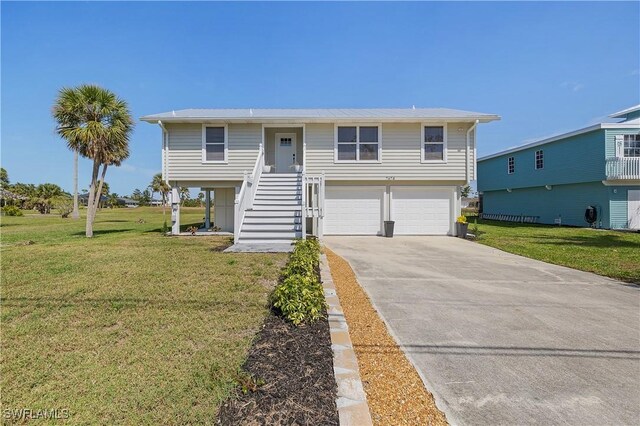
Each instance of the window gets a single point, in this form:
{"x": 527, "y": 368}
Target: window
{"x": 357, "y": 143}
{"x": 511, "y": 165}
{"x": 632, "y": 145}
{"x": 214, "y": 144}
{"x": 539, "y": 159}
{"x": 434, "y": 144}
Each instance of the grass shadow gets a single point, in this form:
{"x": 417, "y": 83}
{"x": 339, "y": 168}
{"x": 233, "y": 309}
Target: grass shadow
{"x": 600, "y": 241}
{"x": 104, "y": 232}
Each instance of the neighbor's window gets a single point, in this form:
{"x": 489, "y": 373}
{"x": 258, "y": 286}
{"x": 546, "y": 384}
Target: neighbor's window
{"x": 358, "y": 143}
{"x": 511, "y": 165}
{"x": 214, "y": 144}
{"x": 632, "y": 145}
{"x": 433, "y": 142}
{"x": 539, "y": 159}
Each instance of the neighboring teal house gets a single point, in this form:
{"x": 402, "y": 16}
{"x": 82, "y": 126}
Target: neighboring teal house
{"x": 556, "y": 179}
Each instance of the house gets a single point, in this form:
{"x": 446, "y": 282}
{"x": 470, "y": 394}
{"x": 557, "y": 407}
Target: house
{"x": 128, "y": 202}
{"x": 556, "y": 179}
{"x": 469, "y": 203}
{"x": 279, "y": 174}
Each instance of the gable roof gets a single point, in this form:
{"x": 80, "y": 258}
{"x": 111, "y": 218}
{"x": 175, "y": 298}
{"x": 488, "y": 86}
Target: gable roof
{"x": 318, "y": 115}
{"x": 625, "y": 112}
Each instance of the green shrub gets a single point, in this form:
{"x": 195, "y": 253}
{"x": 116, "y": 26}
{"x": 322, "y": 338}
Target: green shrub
{"x": 299, "y": 297}
{"x": 12, "y": 211}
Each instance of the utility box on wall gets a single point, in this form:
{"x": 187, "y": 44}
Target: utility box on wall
{"x": 223, "y": 208}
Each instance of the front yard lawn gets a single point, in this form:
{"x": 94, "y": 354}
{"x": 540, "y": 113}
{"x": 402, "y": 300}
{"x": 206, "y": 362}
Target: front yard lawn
{"x": 611, "y": 253}
{"x": 129, "y": 327}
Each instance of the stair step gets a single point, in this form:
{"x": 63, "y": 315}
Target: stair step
{"x": 277, "y": 175}
{"x": 287, "y": 183}
{"x": 277, "y": 202}
{"x": 278, "y": 196}
{"x": 270, "y": 227}
{"x": 271, "y": 207}
{"x": 283, "y": 191}
{"x": 270, "y": 235}
{"x": 270, "y": 220}
{"x": 290, "y": 213}
{"x": 278, "y": 241}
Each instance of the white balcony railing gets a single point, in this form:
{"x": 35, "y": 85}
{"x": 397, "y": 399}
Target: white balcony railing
{"x": 623, "y": 168}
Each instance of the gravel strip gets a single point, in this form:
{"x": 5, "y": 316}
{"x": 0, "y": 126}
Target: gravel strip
{"x": 395, "y": 392}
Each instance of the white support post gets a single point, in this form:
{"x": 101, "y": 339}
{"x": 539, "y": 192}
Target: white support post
{"x": 207, "y": 211}
{"x": 175, "y": 211}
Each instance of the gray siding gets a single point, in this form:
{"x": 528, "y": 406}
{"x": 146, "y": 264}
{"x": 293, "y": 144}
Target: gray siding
{"x": 401, "y": 147}
{"x": 185, "y": 153}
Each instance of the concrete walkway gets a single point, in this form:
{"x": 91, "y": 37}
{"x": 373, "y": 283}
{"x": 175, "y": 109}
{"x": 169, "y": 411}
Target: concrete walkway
{"x": 502, "y": 339}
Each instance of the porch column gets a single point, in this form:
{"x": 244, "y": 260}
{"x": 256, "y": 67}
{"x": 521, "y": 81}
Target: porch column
{"x": 175, "y": 211}
{"x": 207, "y": 207}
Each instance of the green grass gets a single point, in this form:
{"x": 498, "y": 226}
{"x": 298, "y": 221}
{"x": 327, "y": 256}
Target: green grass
{"x": 130, "y": 326}
{"x": 610, "y": 253}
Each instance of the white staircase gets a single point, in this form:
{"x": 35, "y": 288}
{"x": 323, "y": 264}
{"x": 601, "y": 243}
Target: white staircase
{"x": 276, "y": 214}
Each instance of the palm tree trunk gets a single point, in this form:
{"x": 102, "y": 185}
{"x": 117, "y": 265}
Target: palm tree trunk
{"x": 90, "y": 203}
{"x": 76, "y": 211}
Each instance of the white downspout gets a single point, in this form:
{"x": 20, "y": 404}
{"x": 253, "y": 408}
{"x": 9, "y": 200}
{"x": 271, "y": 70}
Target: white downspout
{"x": 466, "y": 170}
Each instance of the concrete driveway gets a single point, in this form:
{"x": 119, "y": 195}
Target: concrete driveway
{"x": 502, "y": 339}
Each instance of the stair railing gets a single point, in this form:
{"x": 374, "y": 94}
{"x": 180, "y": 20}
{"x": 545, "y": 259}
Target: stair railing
{"x": 244, "y": 198}
{"x": 313, "y": 201}
{"x": 303, "y": 203}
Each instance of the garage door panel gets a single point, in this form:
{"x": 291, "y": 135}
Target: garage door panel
{"x": 421, "y": 210}
{"x": 353, "y": 210}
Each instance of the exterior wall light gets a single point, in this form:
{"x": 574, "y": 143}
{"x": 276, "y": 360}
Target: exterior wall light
{"x": 509, "y": 190}
{"x": 548, "y": 187}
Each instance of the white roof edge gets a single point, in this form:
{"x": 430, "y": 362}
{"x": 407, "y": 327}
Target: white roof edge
{"x": 624, "y": 112}
{"x": 154, "y": 119}
{"x": 598, "y": 126}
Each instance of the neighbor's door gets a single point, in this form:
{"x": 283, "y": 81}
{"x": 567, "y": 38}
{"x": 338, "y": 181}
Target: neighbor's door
{"x": 285, "y": 152}
{"x": 633, "y": 207}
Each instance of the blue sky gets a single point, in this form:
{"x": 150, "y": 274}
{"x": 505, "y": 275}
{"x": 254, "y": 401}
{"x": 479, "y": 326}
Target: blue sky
{"x": 544, "y": 67}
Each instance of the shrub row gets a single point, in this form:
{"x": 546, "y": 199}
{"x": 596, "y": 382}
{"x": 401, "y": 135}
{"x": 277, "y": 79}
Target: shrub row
{"x": 299, "y": 296}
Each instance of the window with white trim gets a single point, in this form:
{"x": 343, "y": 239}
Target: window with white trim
{"x": 631, "y": 145}
{"x": 539, "y": 159}
{"x": 511, "y": 165}
{"x": 434, "y": 143}
{"x": 214, "y": 144}
{"x": 358, "y": 144}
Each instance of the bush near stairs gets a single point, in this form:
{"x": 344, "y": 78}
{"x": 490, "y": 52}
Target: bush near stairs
{"x": 299, "y": 297}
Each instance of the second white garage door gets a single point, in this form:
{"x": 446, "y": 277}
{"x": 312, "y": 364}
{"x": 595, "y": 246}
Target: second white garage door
{"x": 353, "y": 210}
{"x": 419, "y": 210}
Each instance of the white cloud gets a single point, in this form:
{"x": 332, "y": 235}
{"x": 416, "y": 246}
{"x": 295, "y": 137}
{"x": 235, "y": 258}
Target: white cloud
{"x": 574, "y": 86}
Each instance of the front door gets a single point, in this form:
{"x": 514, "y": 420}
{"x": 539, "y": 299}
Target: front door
{"x": 285, "y": 152}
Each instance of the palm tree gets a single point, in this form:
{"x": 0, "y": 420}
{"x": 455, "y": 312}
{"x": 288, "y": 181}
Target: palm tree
{"x": 97, "y": 124}
{"x": 159, "y": 185}
{"x": 184, "y": 194}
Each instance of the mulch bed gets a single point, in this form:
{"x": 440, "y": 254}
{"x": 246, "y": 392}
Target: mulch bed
{"x": 291, "y": 373}
{"x": 395, "y": 392}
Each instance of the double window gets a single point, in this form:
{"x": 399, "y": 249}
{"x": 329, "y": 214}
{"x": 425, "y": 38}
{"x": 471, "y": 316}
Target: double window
{"x": 434, "y": 144}
{"x": 214, "y": 144}
{"x": 539, "y": 159}
{"x": 511, "y": 165}
{"x": 631, "y": 145}
{"x": 357, "y": 144}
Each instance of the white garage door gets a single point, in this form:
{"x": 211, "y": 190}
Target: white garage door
{"x": 353, "y": 210}
{"x": 419, "y": 210}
